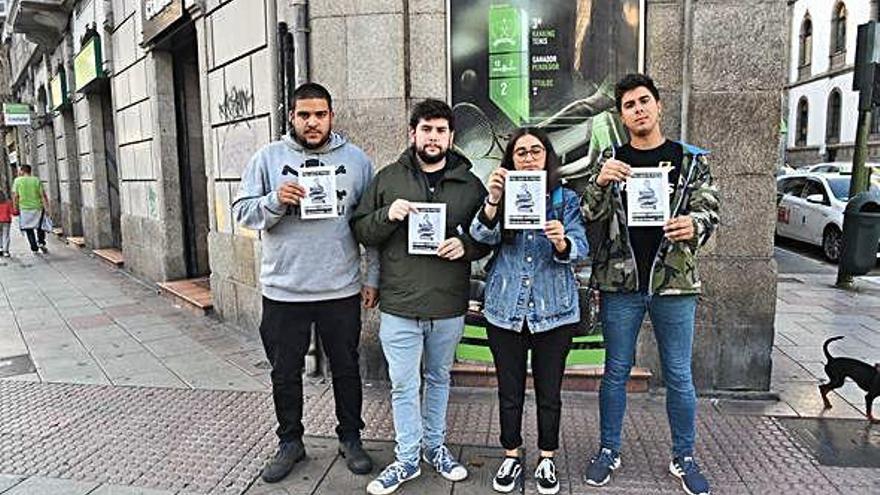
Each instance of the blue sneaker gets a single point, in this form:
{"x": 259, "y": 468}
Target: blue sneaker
{"x": 692, "y": 480}
{"x": 394, "y": 475}
{"x": 445, "y": 464}
{"x": 601, "y": 466}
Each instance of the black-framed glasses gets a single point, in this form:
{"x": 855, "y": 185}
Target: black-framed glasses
{"x": 535, "y": 151}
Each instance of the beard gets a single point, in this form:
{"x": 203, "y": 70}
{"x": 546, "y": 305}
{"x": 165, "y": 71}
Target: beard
{"x": 428, "y": 159}
{"x": 307, "y": 145}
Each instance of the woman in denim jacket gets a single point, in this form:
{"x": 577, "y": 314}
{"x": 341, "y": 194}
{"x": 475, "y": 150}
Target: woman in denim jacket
{"x": 531, "y": 302}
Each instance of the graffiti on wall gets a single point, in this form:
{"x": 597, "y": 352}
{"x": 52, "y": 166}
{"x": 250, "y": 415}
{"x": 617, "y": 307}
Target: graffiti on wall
{"x": 236, "y": 105}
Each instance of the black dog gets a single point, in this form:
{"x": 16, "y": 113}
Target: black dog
{"x": 867, "y": 377}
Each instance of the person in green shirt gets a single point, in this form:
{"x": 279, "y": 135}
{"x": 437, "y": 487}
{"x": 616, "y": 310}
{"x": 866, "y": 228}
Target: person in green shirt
{"x": 30, "y": 200}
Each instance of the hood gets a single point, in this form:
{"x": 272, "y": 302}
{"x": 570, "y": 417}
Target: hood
{"x": 336, "y": 141}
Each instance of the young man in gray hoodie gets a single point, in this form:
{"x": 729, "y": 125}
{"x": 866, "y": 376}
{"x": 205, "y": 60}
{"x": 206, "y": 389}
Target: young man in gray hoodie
{"x": 310, "y": 271}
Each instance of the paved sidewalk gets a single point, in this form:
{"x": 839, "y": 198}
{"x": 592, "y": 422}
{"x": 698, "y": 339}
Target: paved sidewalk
{"x": 133, "y": 396}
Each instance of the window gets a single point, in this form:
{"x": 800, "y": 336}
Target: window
{"x": 814, "y": 187}
{"x": 800, "y": 137}
{"x": 805, "y": 51}
{"x": 832, "y": 127}
{"x": 791, "y": 186}
{"x": 838, "y": 29}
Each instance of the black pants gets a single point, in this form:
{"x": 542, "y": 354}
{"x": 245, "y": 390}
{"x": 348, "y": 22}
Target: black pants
{"x": 35, "y": 240}
{"x": 510, "y": 351}
{"x": 285, "y": 331}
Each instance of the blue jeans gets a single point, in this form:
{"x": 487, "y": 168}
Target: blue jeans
{"x": 673, "y": 320}
{"x": 405, "y": 342}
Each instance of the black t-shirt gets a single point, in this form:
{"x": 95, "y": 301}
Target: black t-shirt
{"x": 434, "y": 177}
{"x": 645, "y": 241}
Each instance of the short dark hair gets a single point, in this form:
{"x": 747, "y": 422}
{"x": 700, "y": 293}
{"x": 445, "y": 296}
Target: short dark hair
{"x": 431, "y": 109}
{"x": 26, "y": 168}
{"x": 630, "y": 82}
{"x": 311, "y": 90}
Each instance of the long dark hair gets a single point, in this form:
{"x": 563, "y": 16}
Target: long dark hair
{"x": 551, "y": 165}
{"x": 551, "y": 159}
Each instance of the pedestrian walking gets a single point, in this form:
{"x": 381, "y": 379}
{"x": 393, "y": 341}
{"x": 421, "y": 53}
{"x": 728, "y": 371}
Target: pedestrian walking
{"x": 5, "y": 223}
{"x": 649, "y": 269}
{"x": 310, "y": 269}
{"x": 29, "y": 199}
{"x": 424, "y": 297}
{"x": 531, "y": 304}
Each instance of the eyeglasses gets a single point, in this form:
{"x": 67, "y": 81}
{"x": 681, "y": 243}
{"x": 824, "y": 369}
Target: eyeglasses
{"x": 535, "y": 151}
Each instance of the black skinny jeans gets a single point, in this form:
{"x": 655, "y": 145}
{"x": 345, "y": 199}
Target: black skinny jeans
{"x": 549, "y": 351}
{"x": 286, "y": 334}
{"x": 35, "y": 240}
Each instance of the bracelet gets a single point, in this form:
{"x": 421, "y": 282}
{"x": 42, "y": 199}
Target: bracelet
{"x": 491, "y": 203}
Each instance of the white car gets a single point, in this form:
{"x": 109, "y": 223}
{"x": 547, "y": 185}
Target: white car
{"x": 810, "y": 208}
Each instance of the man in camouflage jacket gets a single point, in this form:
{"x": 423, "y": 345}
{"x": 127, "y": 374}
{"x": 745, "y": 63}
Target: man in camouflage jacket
{"x": 650, "y": 270}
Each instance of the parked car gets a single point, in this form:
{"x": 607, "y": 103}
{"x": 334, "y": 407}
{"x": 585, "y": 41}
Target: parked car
{"x": 809, "y": 208}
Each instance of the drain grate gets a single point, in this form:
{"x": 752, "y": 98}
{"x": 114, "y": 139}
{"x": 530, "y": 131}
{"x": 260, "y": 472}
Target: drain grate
{"x": 16, "y": 365}
{"x": 838, "y": 442}
{"x": 792, "y": 280}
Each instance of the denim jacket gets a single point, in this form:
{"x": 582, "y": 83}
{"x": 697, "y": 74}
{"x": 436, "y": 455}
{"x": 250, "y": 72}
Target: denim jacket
{"x": 527, "y": 281}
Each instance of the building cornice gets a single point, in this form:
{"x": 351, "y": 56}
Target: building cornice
{"x": 818, "y": 77}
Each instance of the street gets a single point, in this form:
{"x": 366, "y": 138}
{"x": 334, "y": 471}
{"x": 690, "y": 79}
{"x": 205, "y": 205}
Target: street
{"x": 108, "y": 388}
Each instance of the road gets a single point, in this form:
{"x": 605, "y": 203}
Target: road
{"x": 799, "y": 257}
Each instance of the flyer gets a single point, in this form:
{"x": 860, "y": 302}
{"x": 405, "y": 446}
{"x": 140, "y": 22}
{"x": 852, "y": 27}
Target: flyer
{"x": 525, "y": 200}
{"x": 647, "y": 197}
{"x": 427, "y": 228}
{"x": 320, "y": 199}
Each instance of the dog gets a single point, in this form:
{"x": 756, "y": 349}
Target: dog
{"x": 867, "y": 377}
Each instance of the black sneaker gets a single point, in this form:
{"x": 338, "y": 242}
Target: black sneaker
{"x": 356, "y": 458}
{"x": 545, "y": 477}
{"x": 509, "y": 475}
{"x": 601, "y": 466}
{"x": 289, "y": 453}
{"x": 692, "y": 480}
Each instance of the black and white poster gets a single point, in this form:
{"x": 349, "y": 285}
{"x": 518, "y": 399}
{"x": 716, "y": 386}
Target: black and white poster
{"x": 525, "y": 201}
{"x": 320, "y": 199}
{"x": 427, "y": 228}
{"x": 647, "y": 197}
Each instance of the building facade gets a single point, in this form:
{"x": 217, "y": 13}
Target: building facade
{"x": 143, "y": 149}
{"x": 822, "y": 106}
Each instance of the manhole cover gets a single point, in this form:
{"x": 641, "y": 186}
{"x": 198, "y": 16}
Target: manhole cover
{"x": 838, "y": 442}
{"x": 16, "y": 365}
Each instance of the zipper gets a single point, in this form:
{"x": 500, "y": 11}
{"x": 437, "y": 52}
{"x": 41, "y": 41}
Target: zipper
{"x": 664, "y": 242}
{"x": 632, "y": 253}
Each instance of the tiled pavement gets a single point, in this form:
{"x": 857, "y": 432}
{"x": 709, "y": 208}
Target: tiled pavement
{"x": 198, "y": 418}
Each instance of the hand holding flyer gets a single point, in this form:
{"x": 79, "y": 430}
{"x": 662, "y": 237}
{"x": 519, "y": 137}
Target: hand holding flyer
{"x": 320, "y": 199}
{"x": 647, "y": 197}
{"x": 525, "y": 201}
{"x": 427, "y": 228}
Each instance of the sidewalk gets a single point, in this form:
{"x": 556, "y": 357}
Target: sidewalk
{"x": 130, "y": 395}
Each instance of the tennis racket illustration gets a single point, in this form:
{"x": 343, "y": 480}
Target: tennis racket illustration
{"x": 475, "y": 134}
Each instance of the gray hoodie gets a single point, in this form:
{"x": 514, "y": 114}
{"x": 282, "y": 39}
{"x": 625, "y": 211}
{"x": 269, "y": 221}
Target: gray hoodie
{"x": 306, "y": 260}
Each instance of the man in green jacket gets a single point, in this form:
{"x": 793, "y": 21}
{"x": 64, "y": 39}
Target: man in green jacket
{"x": 424, "y": 297}
{"x": 651, "y": 269}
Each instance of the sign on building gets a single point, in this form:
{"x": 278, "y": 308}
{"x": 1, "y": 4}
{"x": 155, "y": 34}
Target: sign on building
{"x": 88, "y": 65}
{"x": 58, "y": 90}
{"x": 16, "y": 114}
{"x": 159, "y": 15}
{"x": 546, "y": 63}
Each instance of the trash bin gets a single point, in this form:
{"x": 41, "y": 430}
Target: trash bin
{"x": 861, "y": 233}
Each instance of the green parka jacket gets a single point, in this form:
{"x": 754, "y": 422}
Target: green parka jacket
{"x": 420, "y": 286}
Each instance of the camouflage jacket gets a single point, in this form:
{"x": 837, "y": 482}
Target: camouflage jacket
{"x": 674, "y": 270}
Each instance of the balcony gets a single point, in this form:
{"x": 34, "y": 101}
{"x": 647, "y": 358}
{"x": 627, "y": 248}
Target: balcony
{"x": 42, "y": 21}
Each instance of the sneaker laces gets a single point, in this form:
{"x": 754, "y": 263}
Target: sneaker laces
{"x": 688, "y": 465}
{"x": 546, "y": 470}
{"x": 507, "y": 466}
{"x": 443, "y": 460}
{"x": 394, "y": 472}
{"x": 605, "y": 457}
